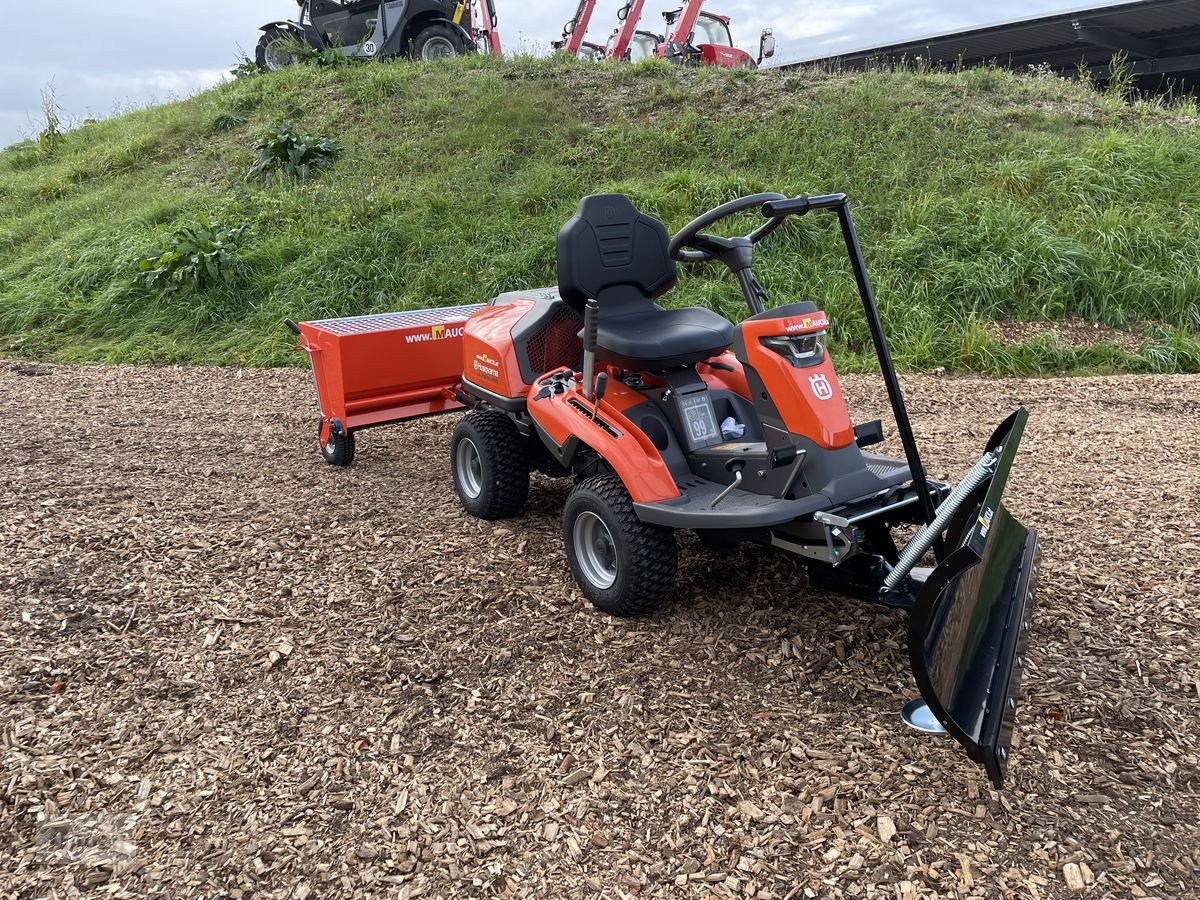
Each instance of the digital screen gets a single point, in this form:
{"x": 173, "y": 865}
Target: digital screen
{"x": 699, "y": 419}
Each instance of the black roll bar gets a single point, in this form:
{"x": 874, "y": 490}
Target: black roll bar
{"x": 798, "y": 207}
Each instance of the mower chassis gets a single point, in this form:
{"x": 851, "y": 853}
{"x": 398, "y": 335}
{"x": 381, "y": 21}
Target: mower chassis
{"x": 970, "y": 613}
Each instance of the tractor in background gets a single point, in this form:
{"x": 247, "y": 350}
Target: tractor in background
{"x": 369, "y": 29}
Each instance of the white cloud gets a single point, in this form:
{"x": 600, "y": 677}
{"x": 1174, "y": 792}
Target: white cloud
{"x": 82, "y": 95}
{"x": 149, "y": 83}
{"x": 815, "y": 20}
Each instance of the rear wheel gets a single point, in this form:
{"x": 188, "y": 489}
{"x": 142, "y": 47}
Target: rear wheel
{"x": 625, "y": 566}
{"x": 490, "y": 465}
{"x": 339, "y": 449}
{"x": 436, "y": 42}
{"x": 277, "y": 49}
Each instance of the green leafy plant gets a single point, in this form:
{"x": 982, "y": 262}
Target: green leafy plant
{"x": 328, "y": 58}
{"x": 245, "y": 68}
{"x": 199, "y": 254}
{"x": 226, "y": 121}
{"x": 1121, "y": 81}
{"x": 284, "y": 151}
{"x": 51, "y": 136}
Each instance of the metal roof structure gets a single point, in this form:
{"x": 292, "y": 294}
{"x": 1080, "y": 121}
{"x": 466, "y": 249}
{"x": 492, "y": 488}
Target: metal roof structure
{"x": 1161, "y": 39}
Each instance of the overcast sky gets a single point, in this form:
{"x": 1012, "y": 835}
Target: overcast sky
{"x": 104, "y": 56}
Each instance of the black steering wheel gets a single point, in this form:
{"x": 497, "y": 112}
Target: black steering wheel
{"x": 692, "y": 244}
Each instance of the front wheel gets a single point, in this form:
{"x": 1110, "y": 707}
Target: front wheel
{"x": 489, "y": 461}
{"x": 436, "y": 42}
{"x": 625, "y": 566}
{"x": 277, "y": 49}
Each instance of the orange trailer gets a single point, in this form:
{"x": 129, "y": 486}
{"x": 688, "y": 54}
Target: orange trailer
{"x": 378, "y": 369}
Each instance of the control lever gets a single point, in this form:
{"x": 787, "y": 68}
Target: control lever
{"x": 591, "y": 329}
{"x": 601, "y": 390}
{"x": 737, "y": 467}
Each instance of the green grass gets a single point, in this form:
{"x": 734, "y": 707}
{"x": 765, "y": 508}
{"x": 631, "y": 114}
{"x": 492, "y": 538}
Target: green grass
{"x": 979, "y": 196}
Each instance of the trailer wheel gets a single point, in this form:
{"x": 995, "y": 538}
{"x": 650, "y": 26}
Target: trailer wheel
{"x": 339, "y": 449}
{"x": 489, "y": 462}
{"x": 436, "y": 42}
{"x": 625, "y": 566}
{"x": 276, "y": 50}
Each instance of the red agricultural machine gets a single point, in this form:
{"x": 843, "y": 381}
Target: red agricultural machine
{"x": 574, "y": 34}
{"x": 696, "y": 38}
{"x": 673, "y": 419}
{"x": 485, "y": 25}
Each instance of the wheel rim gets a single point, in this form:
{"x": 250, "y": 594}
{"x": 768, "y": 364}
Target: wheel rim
{"x": 438, "y": 48}
{"x": 469, "y": 467}
{"x": 596, "y": 550}
{"x": 277, "y": 56}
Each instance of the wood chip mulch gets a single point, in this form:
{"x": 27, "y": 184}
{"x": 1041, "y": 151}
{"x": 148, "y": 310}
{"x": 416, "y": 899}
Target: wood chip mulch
{"x": 229, "y": 670}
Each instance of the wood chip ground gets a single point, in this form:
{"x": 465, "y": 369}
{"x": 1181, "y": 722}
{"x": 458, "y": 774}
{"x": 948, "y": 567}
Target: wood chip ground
{"x": 270, "y": 678}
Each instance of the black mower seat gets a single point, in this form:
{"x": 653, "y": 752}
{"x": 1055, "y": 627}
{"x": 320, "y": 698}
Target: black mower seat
{"x": 662, "y": 338}
{"x": 613, "y": 253}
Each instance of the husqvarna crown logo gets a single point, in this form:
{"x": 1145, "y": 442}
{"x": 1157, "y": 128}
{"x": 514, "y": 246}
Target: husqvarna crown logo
{"x": 821, "y": 387}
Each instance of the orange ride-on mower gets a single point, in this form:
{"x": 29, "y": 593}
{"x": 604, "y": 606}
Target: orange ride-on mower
{"x": 673, "y": 419}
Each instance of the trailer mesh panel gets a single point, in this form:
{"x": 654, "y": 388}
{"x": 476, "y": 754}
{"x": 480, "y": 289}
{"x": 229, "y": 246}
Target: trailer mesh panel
{"x": 396, "y": 321}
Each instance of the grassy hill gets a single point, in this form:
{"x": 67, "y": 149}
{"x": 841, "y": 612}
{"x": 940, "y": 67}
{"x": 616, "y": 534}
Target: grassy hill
{"x": 981, "y": 197}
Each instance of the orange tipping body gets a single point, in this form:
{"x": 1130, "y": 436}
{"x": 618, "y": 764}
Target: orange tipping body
{"x": 370, "y": 370}
{"x": 621, "y": 443}
{"x": 809, "y": 399}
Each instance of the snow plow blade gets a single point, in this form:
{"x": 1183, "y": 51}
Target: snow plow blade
{"x": 971, "y": 621}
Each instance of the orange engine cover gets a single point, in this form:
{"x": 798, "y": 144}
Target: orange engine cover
{"x": 521, "y": 336}
{"x": 489, "y": 356}
{"x": 808, "y": 399}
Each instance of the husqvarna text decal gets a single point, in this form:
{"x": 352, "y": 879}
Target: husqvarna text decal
{"x": 486, "y": 366}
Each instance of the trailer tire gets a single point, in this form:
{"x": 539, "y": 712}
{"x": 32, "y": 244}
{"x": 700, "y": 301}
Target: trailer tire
{"x": 624, "y": 566}
{"x": 489, "y": 462}
{"x": 339, "y": 449}
{"x": 437, "y": 42}
{"x": 269, "y": 59}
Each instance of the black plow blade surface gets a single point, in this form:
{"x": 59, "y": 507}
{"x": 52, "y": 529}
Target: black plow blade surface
{"x": 971, "y": 620}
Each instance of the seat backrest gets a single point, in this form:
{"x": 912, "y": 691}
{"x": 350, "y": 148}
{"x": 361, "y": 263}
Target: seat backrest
{"x": 613, "y": 253}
